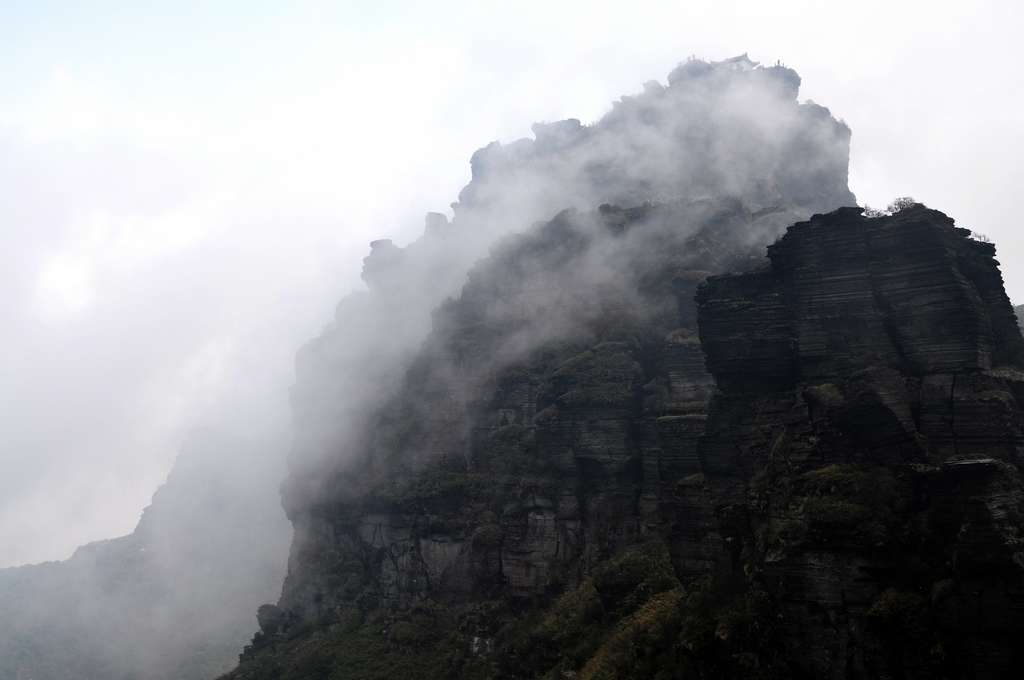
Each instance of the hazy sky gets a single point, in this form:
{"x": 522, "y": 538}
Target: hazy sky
{"x": 185, "y": 192}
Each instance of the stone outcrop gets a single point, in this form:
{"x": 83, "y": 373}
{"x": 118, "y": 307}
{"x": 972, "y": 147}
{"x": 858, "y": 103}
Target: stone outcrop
{"x": 558, "y": 396}
{"x": 717, "y": 130}
{"x": 510, "y": 485}
{"x": 552, "y": 494}
{"x": 581, "y": 457}
{"x": 863, "y": 453}
{"x": 547, "y": 431}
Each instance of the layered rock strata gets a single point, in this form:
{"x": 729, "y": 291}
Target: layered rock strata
{"x": 863, "y": 452}
{"x": 456, "y": 469}
{"x": 550, "y": 494}
{"x": 716, "y": 130}
{"x": 538, "y": 427}
{"x": 548, "y": 427}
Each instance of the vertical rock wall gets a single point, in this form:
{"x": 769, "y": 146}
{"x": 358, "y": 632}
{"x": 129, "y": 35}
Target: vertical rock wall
{"x": 864, "y": 453}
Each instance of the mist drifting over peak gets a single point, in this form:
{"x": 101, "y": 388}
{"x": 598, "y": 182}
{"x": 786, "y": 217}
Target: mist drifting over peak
{"x": 719, "y": 138}
{"x": 509, "y": 406}
{"x": 716, "y": 129}
{"x": 706, "y": 170}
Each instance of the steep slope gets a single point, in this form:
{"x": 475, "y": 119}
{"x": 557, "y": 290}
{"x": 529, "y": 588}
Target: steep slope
{"x": 719, "y": 129}
{"x": 539, "y": 433}
{"x": 549, "y": 495}
{"x": 444, "y": 489}
{"x": 864, "y": 451}
{"x": 393, "y": 425}
{"x": 170, "y": 600}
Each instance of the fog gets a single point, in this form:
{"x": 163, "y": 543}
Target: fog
{"x": 173, "y": 599}
{"x": 186, "y": 193}
{"x": 711, "y": 131}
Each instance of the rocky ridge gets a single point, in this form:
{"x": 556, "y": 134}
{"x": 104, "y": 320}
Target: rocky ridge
{"x": 170, "y": 600}
{"x": 863, "y": 452}
{"x": 572, "y": 477}
{"x": 561, "y": 490}
{"x": 716, "y": 130}
{"x": 720, "y": 131}
{"x": 403, "y": 444}
{"x": 540, "y": 435}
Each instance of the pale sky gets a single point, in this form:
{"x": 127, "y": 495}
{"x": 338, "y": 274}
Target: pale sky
{"x": 186, "y": 192}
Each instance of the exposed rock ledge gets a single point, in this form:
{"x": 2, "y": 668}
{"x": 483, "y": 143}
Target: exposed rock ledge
{"x": 864, "y": 450}
{"x": 849, "y": 505}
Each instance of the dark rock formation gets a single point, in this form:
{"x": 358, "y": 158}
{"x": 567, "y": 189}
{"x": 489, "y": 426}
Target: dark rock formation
{"x": 725, "y": 129}
{"x": 864, "y": 451}
{"x": 518, "y": 491}
{"x": 546, "y": 432}
{"x": 548, "y": 495}
{"x": 569, "y": 353}
{"x": 171, "y": 600}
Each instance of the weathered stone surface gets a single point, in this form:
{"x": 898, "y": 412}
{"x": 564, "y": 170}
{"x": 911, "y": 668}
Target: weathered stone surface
{"x": 558, "y": 398}
{"x": 550, "y": 495}
{"x": 549, "y": 424}
{"x": 678, "y": 144}
{"x": 521, "y": 493}
{"x": 867, "y": 473}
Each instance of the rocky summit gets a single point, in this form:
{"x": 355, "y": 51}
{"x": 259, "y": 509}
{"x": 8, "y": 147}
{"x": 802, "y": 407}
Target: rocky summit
{"x": 863, "y": 449}
{"x": 607, "y": 457}
{"x": 562, "y": 490}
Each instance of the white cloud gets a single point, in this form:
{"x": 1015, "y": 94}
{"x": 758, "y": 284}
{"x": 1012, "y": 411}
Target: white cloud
{"x": 184, "y": 195}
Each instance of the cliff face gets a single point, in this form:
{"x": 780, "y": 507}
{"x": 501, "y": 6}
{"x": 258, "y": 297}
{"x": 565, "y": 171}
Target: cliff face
{"x": 725, "y": 131}
{"x": 863, "y": 453}
{"x": 543, "y": 435}
{"x": 173, "y": 599}
{"x": 717, "y": 130}
{"x": 522, "y": 444}
{"x": 551, "y": 495}
{"x": 535, "y": 486}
